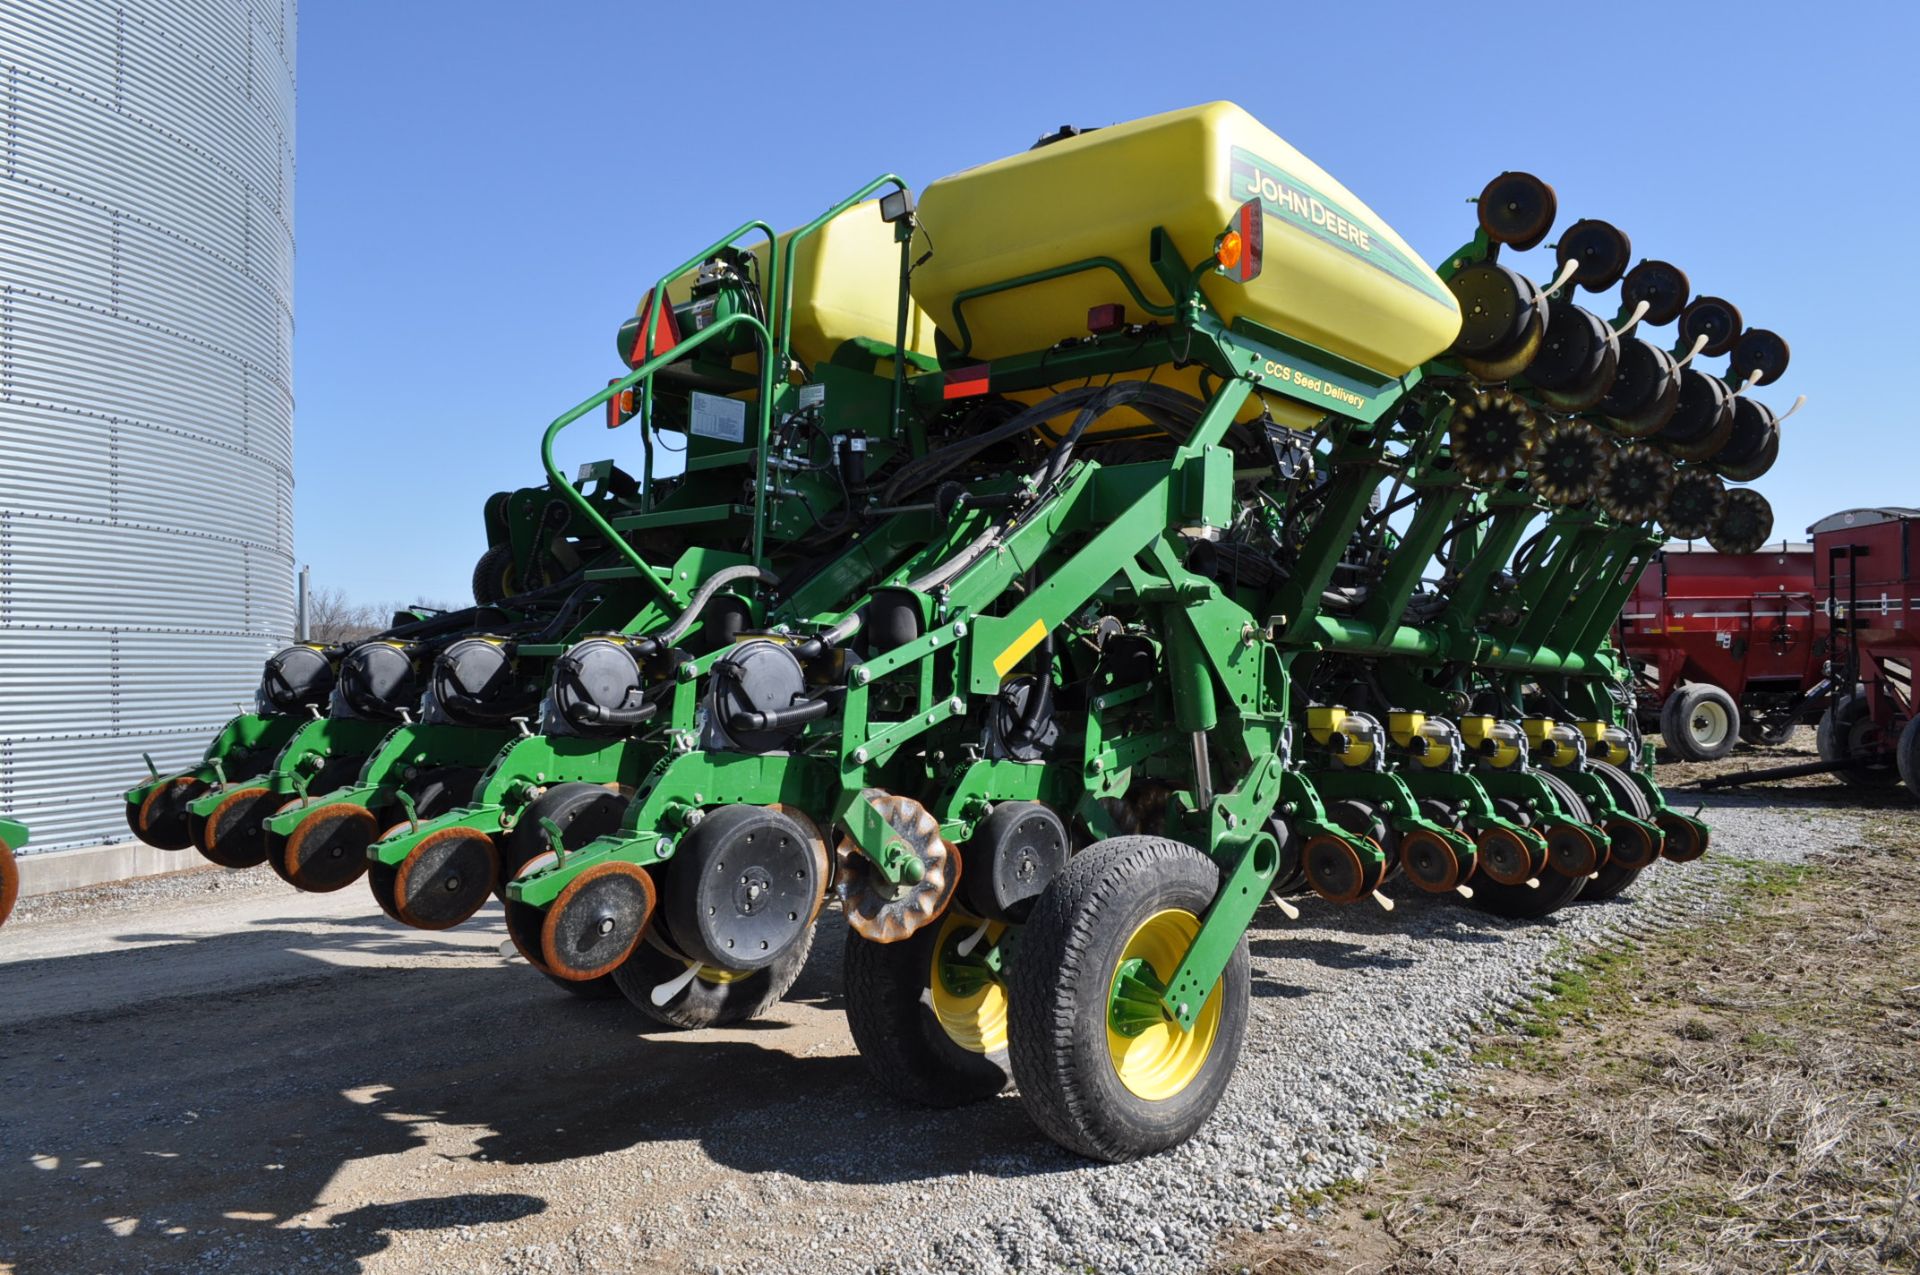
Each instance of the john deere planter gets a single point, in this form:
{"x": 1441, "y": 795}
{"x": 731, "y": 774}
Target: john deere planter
{"x": 1130, "y": 533}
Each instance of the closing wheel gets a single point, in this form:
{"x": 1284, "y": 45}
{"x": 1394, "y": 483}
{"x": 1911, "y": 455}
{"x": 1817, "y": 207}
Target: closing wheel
{"x": 1571, "y": 849}
{"x": 160, "y": 819}
{"x": 444, "y": 880}
{"x": 1700, "y": 722}
{"x": 1760, "y": 353}
{"x": 1684, "y": 841}
{"x": 1849, "y": 738}
{"x": 1491, "y": 436}
{"x": 677, "y": 992}
{"x": 930, "y": 1022}
{"x": 1744, "y": 525}
{"x": 1100, "y": 1069}
{"x": 327, "y": 850}
{"x": 1517, "y": 209}
{"x": 1504, "y": 858}
{"x": 1633, "y": 848}
{"x": 1694, "y": 504}
{"x": 887, "y": 913}
{"x": 1337, "y": 870}
{"x": 1602, "y": 250}
{"x": 596, "y": 922}
{"x": 1429, "y": 861}
{"x": 231, "y": 835}
{"x": 1636, "y": 483}
{"x": 1568, "y": 463}
{"x": 9, "y": 881}
{"x": 1715, "y": 318}
{"x": 1662, "y": 285}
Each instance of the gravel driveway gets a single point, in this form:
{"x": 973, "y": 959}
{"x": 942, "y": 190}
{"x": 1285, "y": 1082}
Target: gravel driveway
{"x": 211, "y": 1073}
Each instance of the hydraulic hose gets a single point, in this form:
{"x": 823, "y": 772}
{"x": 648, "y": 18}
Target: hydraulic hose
{"x": 665, "y": 638}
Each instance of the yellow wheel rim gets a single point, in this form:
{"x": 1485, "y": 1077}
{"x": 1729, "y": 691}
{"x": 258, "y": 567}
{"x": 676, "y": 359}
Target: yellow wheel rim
{"x": 720, "y": 977}
{"x": 977, "y": 1020}
{"x": 1162, "y": 1060}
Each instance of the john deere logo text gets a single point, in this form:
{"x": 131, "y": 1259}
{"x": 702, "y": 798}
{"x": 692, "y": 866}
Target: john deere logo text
{"x": 1294, "y": 202}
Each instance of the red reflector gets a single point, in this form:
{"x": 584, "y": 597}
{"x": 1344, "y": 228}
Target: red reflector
{"x": 965, "y": 382}
{"x": 1252, "y": 225}
{"x": 1102, "y": 319}
{"x": 619, "y": 407}
{"x": 658, "y": 332}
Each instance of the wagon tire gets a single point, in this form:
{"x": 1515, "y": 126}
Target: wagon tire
{"x": 1844, "y": 740}
{"x": 1700, "y": 722}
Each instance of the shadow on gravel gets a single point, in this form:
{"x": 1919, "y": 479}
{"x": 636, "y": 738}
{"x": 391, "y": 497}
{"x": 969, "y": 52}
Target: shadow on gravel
{"x": 263, "y": 1128}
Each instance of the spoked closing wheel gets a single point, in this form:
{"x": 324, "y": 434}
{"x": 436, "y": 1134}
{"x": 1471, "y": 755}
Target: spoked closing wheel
{"x": 928, "y": 1015}
{"x": 1100, "y": 1069}
{"x": 1492, "y": 434}
{"x": 160, "y": 818}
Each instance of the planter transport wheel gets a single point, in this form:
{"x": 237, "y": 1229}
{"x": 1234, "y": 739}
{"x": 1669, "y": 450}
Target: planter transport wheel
{"x": 1100, "y": 1068}
{"x": 931, "y": 1021}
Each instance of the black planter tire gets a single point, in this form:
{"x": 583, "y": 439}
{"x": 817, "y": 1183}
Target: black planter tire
{"x": 714, "y": 998}
{"x": 1079, "y": 1079}
{"x": 922, "y": 1042}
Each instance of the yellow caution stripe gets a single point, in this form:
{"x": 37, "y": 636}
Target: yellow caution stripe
{"x": 1021, "y": 645}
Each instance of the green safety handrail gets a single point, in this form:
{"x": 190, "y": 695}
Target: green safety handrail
{"x": 1055, "y": 272}
{"x": 645, "y": 373}
{"x": 784, "y": 276}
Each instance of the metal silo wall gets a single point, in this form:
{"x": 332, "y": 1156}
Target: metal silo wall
{"x": 146, "y": 403}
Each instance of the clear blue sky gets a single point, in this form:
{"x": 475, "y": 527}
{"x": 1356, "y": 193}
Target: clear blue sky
{"x": 485, "y": 188}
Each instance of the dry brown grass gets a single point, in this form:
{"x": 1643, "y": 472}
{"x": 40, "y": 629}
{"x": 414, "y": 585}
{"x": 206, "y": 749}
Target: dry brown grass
{"x": 1744, "y": 1097}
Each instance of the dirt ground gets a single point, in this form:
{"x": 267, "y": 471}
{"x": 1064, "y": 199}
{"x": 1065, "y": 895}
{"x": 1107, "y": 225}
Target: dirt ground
{"x": 1742, "y": 1098}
